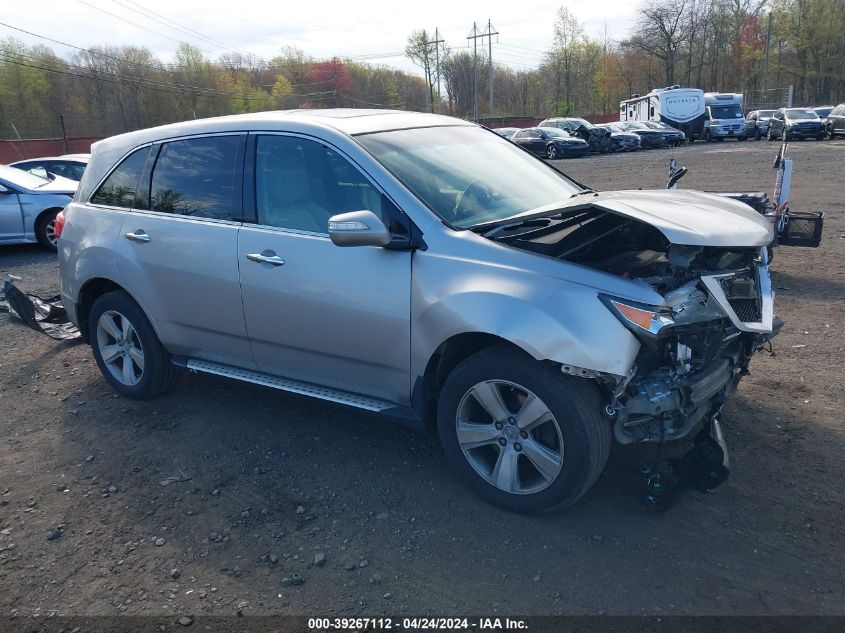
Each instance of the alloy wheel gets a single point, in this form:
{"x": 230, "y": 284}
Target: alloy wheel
{"x": 120, "y": 348}
{"x": 50, "y": 232}
{"x": 509, "y": 436}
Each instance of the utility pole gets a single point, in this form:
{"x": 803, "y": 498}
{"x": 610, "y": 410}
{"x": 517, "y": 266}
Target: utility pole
{"x": 766, "y": 57}
{"x": 437, "y": 42}
{"x": 64, "y": 133}
{"x": 490, "y": 34}
{"x": 474, "y": 35}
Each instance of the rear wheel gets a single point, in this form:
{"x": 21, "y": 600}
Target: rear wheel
{"x": 521, "y": 434}
{"x": 45, "y": 230}
{"x": 126, "y": 348}
{"x": 551, "y": 152}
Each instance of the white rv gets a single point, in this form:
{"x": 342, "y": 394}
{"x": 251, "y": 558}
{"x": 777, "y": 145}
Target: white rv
{"x": 724, "y": 117}
{"x": 682, "y": 108}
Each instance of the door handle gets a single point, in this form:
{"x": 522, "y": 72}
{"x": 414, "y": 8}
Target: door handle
{"x": 137, "y": 236}
{"x": 266, "y": 258}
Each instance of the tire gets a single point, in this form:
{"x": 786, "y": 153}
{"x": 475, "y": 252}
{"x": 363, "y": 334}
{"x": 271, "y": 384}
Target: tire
{"x": 45, "y": 230}
{"x": 551, "y": 152}
{"x": 707, "y": 136}
{"x": 572, "y": 443}
{"x": 149, "y": 371}
{"x": 757, "y": 135}
{"x": 769, "y": 135}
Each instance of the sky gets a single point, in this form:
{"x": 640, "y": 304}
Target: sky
{"x": 374, "y": 31}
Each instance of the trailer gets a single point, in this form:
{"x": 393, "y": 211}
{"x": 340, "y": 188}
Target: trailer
{"x": 682, "y": 108}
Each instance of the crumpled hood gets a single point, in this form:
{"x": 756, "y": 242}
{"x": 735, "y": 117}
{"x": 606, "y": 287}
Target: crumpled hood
{"x": 691, "y": 218}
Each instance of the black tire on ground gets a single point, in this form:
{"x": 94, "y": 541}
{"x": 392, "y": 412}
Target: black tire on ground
{"x": 43, "y": 229}
{"x": 740, "y": 138}
{"x": 158, "y": 374}
{"x": 574, "y": 402}
{"x": 769, "y": 135}
{"x": 707, "y": 136}
{"x": 551, "y": 152}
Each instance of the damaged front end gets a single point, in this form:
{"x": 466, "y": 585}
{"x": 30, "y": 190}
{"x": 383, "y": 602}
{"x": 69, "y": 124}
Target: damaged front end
{"x": 717, "y": 311}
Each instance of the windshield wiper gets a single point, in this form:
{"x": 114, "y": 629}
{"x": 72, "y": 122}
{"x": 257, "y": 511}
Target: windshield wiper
{"x": 583, "y": 193}
{"x": 502, "y": 228}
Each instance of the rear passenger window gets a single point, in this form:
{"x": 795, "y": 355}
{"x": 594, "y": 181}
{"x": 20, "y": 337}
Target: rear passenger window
{"x": 197, "y": 177}
{"x": 119, "y": 188}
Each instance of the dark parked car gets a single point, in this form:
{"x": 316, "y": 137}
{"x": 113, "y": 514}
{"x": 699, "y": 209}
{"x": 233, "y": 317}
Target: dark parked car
{"x": 823, "y": 111}
{"x": 671, "y": 135}
{"x": 621, "y": 140}
{"x": 507, "y": 132}
{"x": 598, "y": 139}
{"x": 757, "y": 123}
{"x": 792, "y": 123}
{"x": 70, "y": 166}
{"x": 649, "y": 139}
{"x": 835, "y": 122}
{"x": 550, "y": 142}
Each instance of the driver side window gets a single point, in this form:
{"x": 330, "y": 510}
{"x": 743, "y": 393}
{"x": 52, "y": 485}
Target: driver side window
{"x": 300, "y": 184}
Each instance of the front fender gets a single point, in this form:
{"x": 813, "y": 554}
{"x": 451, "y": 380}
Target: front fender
{"x": 551, "y": 319}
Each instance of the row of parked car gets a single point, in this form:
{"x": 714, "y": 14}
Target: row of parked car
{"x": 796, "y": 123}
{"x": 569, "y": 137}
{"x": 33, "y": 192}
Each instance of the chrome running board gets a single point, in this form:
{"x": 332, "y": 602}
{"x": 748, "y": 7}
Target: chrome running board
{"x": 292, "y": 386}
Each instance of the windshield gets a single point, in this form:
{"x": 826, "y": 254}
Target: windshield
{"x": 466, "y": 175}
{"x": 636, "y": 126}
{"x": 21, "y": 178}
{"x": 799, "y": 114}
{"x": 765, "y": 114}
{"x": 726, "y": 112}
{"x": 823, "y": 111}
{"x": 611, "y": 127}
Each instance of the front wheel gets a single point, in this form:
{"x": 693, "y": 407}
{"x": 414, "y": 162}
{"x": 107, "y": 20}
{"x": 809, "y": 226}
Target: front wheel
{"x": 126, "y": 348}
{"x": 521, "y": 434}
{"x": 707, "y": 136}
{"x": 551, "y": 152}
{"x": 770, "y": 136}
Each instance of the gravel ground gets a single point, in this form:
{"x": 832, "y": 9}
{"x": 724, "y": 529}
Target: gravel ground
{"x": 221, "y": 498}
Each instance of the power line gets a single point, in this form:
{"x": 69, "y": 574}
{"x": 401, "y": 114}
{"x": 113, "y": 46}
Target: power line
{"x": 177, "y": 26}
{"x": 87, "y": 4}
{"x": 158, "y": 68}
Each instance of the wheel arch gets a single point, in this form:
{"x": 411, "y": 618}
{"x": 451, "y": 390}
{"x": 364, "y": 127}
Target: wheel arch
{"x": 92, "y": 290}
{"x": 446, "y": 356}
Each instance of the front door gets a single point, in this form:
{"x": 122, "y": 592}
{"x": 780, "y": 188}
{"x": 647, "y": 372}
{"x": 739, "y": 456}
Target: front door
{"x": 11, "y": 218}
{"x": 316, "y": 312}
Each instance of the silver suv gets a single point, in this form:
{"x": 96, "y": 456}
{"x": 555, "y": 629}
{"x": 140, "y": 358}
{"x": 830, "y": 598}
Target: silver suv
{"x": 421, "y": 267}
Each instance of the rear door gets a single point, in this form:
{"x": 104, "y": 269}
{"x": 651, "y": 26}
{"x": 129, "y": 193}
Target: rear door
{"x": 177, "y": 251}
{"x": 316, "y": 312}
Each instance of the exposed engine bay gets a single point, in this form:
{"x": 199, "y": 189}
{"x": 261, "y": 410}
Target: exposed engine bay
{"x": 696, "y": 347}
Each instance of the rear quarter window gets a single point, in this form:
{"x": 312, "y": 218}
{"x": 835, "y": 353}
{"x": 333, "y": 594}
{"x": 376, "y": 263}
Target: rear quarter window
{"x": 120, "y": 187}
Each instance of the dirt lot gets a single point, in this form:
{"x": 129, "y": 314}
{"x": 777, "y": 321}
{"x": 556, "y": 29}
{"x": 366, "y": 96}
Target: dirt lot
{"x": 237, "y": 487}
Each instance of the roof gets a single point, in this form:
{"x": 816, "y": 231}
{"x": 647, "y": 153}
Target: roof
{"x": 327, "y": 123}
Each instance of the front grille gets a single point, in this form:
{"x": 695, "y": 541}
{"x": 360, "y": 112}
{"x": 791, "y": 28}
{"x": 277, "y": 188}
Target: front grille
{"x": 743, "y": 294}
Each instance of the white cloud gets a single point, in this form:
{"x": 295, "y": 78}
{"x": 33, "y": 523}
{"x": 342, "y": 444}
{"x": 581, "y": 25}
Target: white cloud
{"x": 332, "y": 27}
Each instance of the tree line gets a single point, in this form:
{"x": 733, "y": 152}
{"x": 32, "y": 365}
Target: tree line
{"x": 757, "y": 47}
{"x": 106, "y": 90}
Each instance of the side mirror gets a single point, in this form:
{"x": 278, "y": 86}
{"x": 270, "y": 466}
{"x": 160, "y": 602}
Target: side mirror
{"x": 358, "y": 228}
